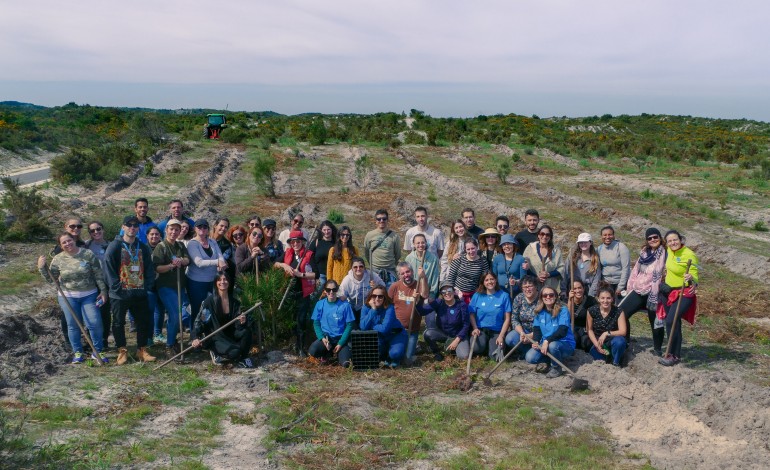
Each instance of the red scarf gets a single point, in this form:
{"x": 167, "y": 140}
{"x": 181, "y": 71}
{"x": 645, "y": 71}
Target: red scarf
{"x": 673, "y": 296}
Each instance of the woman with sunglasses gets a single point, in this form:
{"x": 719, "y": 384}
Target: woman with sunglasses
{"x": 678, "y": 280}
{"x": 552, "y": 333}
{"x": 206, "y": 262}
{"x": 490, "y": 316}
{"x": 545, "y": 259}
{"x": 523, "y": 313}
{"x": 219, "y": 234}
{"x": 270, "y": 243}
{"x": 341, "y": 255}
{"x": 73, "y": 226}
{"x": 232, "y": 344}
{"x": 489, "y": 246}
{"x": 157, "y": 311}
{"x": 379, "y": 315}
{"x": 325, "y": 239}
{"x": 98, "y": 246}
{"x": 333, "y": 321}
{"x": 303, "y": 268}
{"x": 466, "y": 272}
{"x": 170, "y": 258}
{"x": 80, "y": 276}
{"x": 583, "y": 265}
{"x": 643, "y": 286}
{"x": 455, "y": 246}
{"x": 250, "y": 252}
{"x": 448, "y": 324}
{"x": 253, "y": 222}
{"x": 509, "y": 266}
{"x": 237, "y": 236}
{"x": 606, "y": 326}
{"x": 356, "y": 285}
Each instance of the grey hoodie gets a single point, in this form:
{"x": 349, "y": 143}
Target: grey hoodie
{"x": 354, "y": 291}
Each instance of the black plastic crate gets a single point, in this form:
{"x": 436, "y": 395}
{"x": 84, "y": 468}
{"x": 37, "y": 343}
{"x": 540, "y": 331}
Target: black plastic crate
{"x": 364, "y": 350}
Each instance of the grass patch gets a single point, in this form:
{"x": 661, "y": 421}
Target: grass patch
{"x": 17, "y": 281}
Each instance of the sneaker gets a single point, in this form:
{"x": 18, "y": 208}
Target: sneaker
{"x": 101, "y": 356}
{"x": 78, "y": 358}
{"x": 669, "y": 360}
{"x": 553, "y": 373}
{"x": 245, "y": 364}
{"x": 159, "y": 339}
{"x": 438, "y": 357}
{"x": 216, "y": 360}
{"x": 393, "y": 365}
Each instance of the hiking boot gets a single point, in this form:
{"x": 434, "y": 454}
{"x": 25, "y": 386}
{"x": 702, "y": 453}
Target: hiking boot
{"x": 553, "y": 373}
{"x": 101, "y": 356}
{"x": 245, "y": 364}
{"x": 143, "y": 355}
{"x": 657, "y": 352}
{"x": 159, "y": 339}
{"x": 122, "y": 356}
{"x": 669, "y": 360}
{"x": 78, "y": 358}
{"x": 542, "y": 368}
{"x": 216, "y": 360}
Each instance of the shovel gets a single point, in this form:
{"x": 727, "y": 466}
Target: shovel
{"x": 486, "y": 380}
{"x": 464, "y": 382}
{"x": 676, "y": 316}
{"x": 578, "y": 384}
{"x": 210, "y": 335}
{"x": 179, "y": 305}
{"x": 85, "y": 333}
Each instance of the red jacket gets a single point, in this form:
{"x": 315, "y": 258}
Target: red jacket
{"x": 308, "y": 285}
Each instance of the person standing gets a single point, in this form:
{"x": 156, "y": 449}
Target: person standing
{"x": 406, "y": 294}
{"x": 509, "y": 266}
{"x": 326, "y": 237}
{"x": 205, "y": 261}
{"x": 141, "y": 207}
{"x": 422, "y": 258}
{"x": 545, "y": 260}
{"x": 73, "y": 226}
{"x": 170, "y": 257}
{"x": 300, "y": 260}
{"x": 382, "y": 248}
{"x": 433, "y": 236}
{"x": 528, "y": 236}
{"x": 356, "y": 285}
{"x": 176, "y": 212}
{"x": 469, "y": 217}
{"x": 98, "y": 246}
{"x": 583, "y": 265}
{"x": 502, "y": 223}
{"x": 131, "y": 275}
{"x": 615, "y": 259}
{"x": 296, "y": 224}
{"x": 341, "y": 255}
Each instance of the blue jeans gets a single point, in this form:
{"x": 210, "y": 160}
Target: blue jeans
{"x": 169, "y": 299}
{"x": 156, "y": 310}
{"x": 198, "y": 291}
{"x": 512, "y": 339}
{"x": 559, "y": 350}
{"x": 88, "y": 313}
{"x": 411, "y": 345}
{"x": 392, "y": 346}
{"x": 617, "y": 349}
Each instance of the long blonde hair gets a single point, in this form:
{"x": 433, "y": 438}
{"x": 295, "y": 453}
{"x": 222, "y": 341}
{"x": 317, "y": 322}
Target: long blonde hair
{"x": 556, "y": 304}
{"x": 577, "y": 252}
{"x": 455, "y": 240}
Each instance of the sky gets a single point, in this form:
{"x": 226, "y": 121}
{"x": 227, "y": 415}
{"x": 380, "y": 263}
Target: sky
{"x": 446, "y": 58}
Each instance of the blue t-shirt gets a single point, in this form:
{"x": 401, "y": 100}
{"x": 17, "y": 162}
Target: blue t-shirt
{"x": 490, "y": 309}
{"x": 334, "y": 317}
{"x": 549, "y": 324}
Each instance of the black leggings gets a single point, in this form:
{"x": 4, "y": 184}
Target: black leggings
{"x": 631, "y": 304}
{"x": 676, "y": 338}
{"x": 233, "y": 348}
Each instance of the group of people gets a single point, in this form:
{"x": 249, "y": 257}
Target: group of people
{"x": 479, "y": 291}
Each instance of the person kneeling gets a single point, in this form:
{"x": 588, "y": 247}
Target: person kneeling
{"x": 606, "y": 325}
{"x": 552, "y": 327}
{"x": 333, "y": 321}
{"x": 448, "y": 324}
{"x": 234, "y": 342}
{"x": 379, "y": 315}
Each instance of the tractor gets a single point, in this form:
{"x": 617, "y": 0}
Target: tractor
{"x": 214, "y": 126}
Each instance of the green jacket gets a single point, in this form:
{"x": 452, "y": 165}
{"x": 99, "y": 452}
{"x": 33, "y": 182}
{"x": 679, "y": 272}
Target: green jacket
{"x": 80, "y": 272}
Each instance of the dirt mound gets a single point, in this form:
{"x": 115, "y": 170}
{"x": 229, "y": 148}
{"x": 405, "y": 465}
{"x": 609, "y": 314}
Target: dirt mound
{"x": 360, "y": 174}
{"x": 210, "y": 187}
{"x": 31, "y": 348}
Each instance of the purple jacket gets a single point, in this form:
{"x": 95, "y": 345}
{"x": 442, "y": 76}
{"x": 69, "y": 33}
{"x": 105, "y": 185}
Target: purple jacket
{"x": 454, "y": 321}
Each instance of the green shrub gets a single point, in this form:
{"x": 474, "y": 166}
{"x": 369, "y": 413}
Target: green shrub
{"x": 318, "y": 132}
{"x": 75, "y": 166}
{"x": 335, "y": 216}
{"x": 269, "y": 290}
{"x": 503, "y": 171}
{"x": 394, "y": 143}
{"x": 26, "y": 208}
{"x": 760, "y": 226}
{"x": 264, "y": 170}
{"x": 414, "y": 138}
{"x": 529, "y": 151}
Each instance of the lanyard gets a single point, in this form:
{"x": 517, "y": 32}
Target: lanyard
{"x": 133, "y": 255}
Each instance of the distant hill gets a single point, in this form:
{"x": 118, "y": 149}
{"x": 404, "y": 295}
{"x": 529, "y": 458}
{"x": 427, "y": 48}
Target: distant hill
{"x": 19, "y": 104}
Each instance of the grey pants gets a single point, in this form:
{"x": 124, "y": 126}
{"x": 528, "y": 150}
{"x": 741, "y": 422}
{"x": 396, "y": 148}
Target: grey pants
{"x": 438, "y": 341}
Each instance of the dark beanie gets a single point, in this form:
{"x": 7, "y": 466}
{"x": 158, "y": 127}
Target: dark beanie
{"x": 652, "y": 231}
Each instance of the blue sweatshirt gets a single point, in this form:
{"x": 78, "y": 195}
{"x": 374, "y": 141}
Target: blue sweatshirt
{"x": 381, "y": 320}
{"x": 333, "y": 319}
{"x": 502, "y": 268}
{"x": 490, "y": 310}
{"x": 452, "y": 321}
{"x": 552, "y": 328}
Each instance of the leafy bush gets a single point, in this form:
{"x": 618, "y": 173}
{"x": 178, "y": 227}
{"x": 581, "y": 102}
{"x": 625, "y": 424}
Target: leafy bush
{"x": 760, "y": 226}
{"x": 269, "y": 290}
{"x": 234, "y": 136}
{"x": 318, "y": 132}
{"x": 335, "y": 216}
{"x": 26, "y": 208}
{"x": 264, "y": 170}
{"x": 414, "y": 138}
{"x": 75, "y": 166}
{"x": 503, "y": 172}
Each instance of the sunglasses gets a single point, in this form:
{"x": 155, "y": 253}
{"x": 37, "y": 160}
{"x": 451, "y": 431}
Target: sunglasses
{"x": 346, "y": 235}
{"x": 253, "y": 224}
{"x": 548, "y": 295}
{"x": 256, "y": 234}
{"x": 77, "y": 226}
{"x": 329, "y": 290}
{"x": 653, "y": 237}
{"x": 544, "y": 235}
{"x": 447, "y": 291}
{"x": 94, "y": 230}
{"x": 132, "y": 225}
{"x": 239, "y": 235}
{"x": 296, "y": 221}
{"x": 502, "y": 227}
{"x": 381, "y": 219}
{"x": 378, "y": 296}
